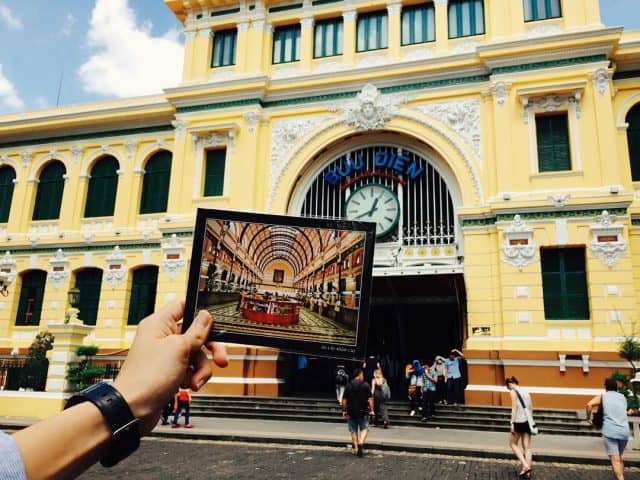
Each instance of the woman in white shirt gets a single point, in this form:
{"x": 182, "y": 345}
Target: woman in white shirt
{"x": 519, "y": 425}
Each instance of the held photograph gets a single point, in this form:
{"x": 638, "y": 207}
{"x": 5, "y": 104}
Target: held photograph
{"x": 299, "y": 284}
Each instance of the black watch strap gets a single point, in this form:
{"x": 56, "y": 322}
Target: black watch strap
{"x": 125, "y": 437}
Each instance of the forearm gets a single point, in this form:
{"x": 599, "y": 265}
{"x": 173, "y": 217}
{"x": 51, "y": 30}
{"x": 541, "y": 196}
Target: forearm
{"x": 65, "y": 445}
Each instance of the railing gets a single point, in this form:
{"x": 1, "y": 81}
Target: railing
{"x": 10, "y": 371}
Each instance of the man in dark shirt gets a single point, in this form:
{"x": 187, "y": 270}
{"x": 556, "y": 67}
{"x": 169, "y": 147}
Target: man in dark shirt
{"x": 357, "y": 405}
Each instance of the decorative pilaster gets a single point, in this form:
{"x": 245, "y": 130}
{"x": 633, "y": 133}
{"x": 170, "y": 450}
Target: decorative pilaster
{"x": 349, "y": 36}
{"x": 68, "y": 337}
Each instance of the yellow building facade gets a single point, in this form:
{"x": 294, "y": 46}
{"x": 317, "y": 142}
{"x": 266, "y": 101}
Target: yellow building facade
{"x": 506, "y": 130}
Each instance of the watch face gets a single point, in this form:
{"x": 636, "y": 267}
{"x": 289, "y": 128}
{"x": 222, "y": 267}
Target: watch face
{"x": 374, "y": 203}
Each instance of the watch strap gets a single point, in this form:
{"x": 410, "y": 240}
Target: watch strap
{"x": 125, "y": 433}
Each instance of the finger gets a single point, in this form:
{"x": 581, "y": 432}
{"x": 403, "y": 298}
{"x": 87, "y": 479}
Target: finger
{"x": 219, "y": 352}
{"x": 202, "y": 370}
{"x": 166, "y": 319}
{"x": 198, "y": 332}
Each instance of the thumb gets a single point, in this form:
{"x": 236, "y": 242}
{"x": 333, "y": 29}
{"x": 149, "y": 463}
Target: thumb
{"x": 198, "y": 332}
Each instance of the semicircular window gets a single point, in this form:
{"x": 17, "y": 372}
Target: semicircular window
{"x": 7, "y": 177}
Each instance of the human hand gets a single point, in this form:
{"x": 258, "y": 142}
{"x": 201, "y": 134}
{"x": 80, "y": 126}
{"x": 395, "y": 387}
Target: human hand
{"x": 161, "y": 359}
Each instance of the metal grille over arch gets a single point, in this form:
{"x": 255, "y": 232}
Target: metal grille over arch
{"x": 427, "y": 209}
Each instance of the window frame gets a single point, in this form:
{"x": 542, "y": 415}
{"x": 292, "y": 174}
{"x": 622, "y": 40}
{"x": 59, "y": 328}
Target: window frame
{"x": 411, "y": 9}
{"x": 7, "y": 172}
{"x": 564, "y": 296}
{"x": 553, "y": 141}
{"x": 226, "y": 35}
{"x": 101, "y": 200}
{"x": 455, "y": 3}
{"x": 292, "y": 32}
{"x": 45, "y": 207}
{"x": 367, "y": 17}
{"x": 337, "y": 45}
{"x": 534, "y": 9}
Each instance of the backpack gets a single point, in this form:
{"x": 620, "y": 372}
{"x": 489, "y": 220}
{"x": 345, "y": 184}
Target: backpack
{"x": 386, "y": 391}
{"x": 341, "y": 377}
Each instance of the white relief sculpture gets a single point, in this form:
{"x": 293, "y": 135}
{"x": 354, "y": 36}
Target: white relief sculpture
{"x": 130, "y": 147}
{"x": 463, "y": 117}
{"x": 551, "y": 103}
{"x": 601, "y": 80}
{"x": 4, "y": 159}
{"x": 464, "y": 47}
{"x": 59, "y": 271}
{"x": 500, "y": 91}
{"x": 180, "y": 127}
{"x": 372, "y": 60}
{"x": 26, "y": 158}
{"x": 328, "y": 66}
{"x": 252, "y": 119}
{"x": 116, "y": 270}
{"x": 76, "y": 152}
{"x": 284, "y": 135}
{"x": 518, "y": 247}
{"x": 370, "y": 110}
{"x": 607, "y": 244}
{"x": 8, "y": 266}
{"x": 559, "y": 200}
{"x": 421, "y": 53}
{"x": 173, "y": 260}
{"x": 287, "y": 71}
{"x": 543, "y": 31}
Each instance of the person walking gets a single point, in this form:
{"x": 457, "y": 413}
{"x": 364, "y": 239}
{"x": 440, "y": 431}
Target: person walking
{"x": 416, "y": 383}
{"x": 615, "y": 425}
{"x": 381, "y": 393}
{"x": 341, "y": 380}
{"x": 182, "y": 402}
{"x": 357, "y": 405}
{"x": 519, "y": 430}
{"x": 441, "y": 376}
{"x": 454, "y": 377}
{"x": 429, "y": 393}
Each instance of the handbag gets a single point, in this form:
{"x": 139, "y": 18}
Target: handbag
{"x": 597, "y": 419}
{"x": 532, "y": 424}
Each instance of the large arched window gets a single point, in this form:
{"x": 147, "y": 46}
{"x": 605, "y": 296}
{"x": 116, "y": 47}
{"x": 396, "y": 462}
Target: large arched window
{"x": 155, "y": 186}
{"x": 31, "y": 295}
{"x": 7, "y": 176}
{"x": 143, "y": 294}
{"x": 50, "y": 190}
{"x": 633, "y": 140}
{"x": 89, "y": 282}
{"x": 103, "y": 184}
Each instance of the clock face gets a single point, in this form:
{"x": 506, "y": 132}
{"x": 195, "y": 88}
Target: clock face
{"x": 374, "y": 203}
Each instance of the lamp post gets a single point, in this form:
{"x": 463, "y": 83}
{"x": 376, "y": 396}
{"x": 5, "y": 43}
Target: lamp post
{"x": 73, "y": 295}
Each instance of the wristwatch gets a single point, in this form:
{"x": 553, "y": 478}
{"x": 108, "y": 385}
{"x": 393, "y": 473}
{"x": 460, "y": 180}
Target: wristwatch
{"x": 125, "y": 431}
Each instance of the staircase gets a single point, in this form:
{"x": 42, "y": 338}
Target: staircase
{"x": 467, "y": 417}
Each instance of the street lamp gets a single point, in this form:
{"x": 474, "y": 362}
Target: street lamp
{"x": 4, "y": 283}
{"x": 73, "y": 296}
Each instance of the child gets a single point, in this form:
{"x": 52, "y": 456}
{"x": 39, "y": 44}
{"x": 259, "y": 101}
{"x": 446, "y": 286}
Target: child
{"x": 182, "y": 401}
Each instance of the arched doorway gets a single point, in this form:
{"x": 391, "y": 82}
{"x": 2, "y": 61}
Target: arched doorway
{"x": 418, "y": 301}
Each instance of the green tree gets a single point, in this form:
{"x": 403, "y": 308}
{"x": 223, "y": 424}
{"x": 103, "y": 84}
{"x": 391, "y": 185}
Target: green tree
{"x": 34, "y": 373}
{"x": 84, "y": 373}
{"x": 630, "y": 351}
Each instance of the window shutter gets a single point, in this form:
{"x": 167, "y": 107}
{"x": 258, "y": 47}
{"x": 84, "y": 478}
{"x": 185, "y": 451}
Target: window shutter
{"x": 560, "y": 139}
{"x": 554, "y": 153}
{"x": 143, "y": 294}
{"x": 49, "y": 192}
{"x": 103, "y": 185}
{"x": 7, "y": 176}
{"x": 89, "y": 282}
{"x": 633, "y": 141}
{"x": 214, "y": 172}
{"x": 564, "y": 284}
{"x": 31, "y": 295}
{"x": 155, "y": 184}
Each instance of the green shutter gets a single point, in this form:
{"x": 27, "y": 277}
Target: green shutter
{"x": 564, "y": 284}
{"x": 554, "y": 152}
{"x": 89, "y": 281}
{"x": 31, "y": 295}
{"x": 7, "y": 176}
{"x": 49, "y": 192}
{"x": 143, "y": 294}
{"x": 224, "y": 46}
{"x": 633, "y": 141}
{"x": 103, "y": 185}
{"x": 155, "y": 185}
{"x": 214, "y": 172}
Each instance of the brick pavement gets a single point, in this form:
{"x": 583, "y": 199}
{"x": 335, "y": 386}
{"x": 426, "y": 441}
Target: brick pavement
{"x": 186, "y": 460}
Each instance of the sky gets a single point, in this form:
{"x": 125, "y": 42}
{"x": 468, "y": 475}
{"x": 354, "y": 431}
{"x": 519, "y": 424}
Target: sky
{"x": 66, "y": 52}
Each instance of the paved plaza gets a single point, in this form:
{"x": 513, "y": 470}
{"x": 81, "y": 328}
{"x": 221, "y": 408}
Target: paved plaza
{"x": 183, "y": 459}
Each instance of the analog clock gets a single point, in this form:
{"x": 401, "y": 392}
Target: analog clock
{"x": 374, "y": 203}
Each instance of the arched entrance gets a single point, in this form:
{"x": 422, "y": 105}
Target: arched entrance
{"x": 418, "y": 301}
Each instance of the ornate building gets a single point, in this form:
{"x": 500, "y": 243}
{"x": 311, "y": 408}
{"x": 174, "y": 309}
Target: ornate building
{"x": 506, "y": 132}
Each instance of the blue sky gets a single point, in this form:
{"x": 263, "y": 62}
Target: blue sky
{"x": 103, "y": 49}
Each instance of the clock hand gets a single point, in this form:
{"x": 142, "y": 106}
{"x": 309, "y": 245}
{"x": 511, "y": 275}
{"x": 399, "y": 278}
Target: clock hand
{"x": 374, "y": 207}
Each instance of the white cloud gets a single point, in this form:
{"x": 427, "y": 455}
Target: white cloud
{"x": 69, "y": 22}
{"x": 9, "y": 98}
{"x": 9, "y": 19}
{"x": 41, "y": 102}
{"x": 128, "y": 59}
